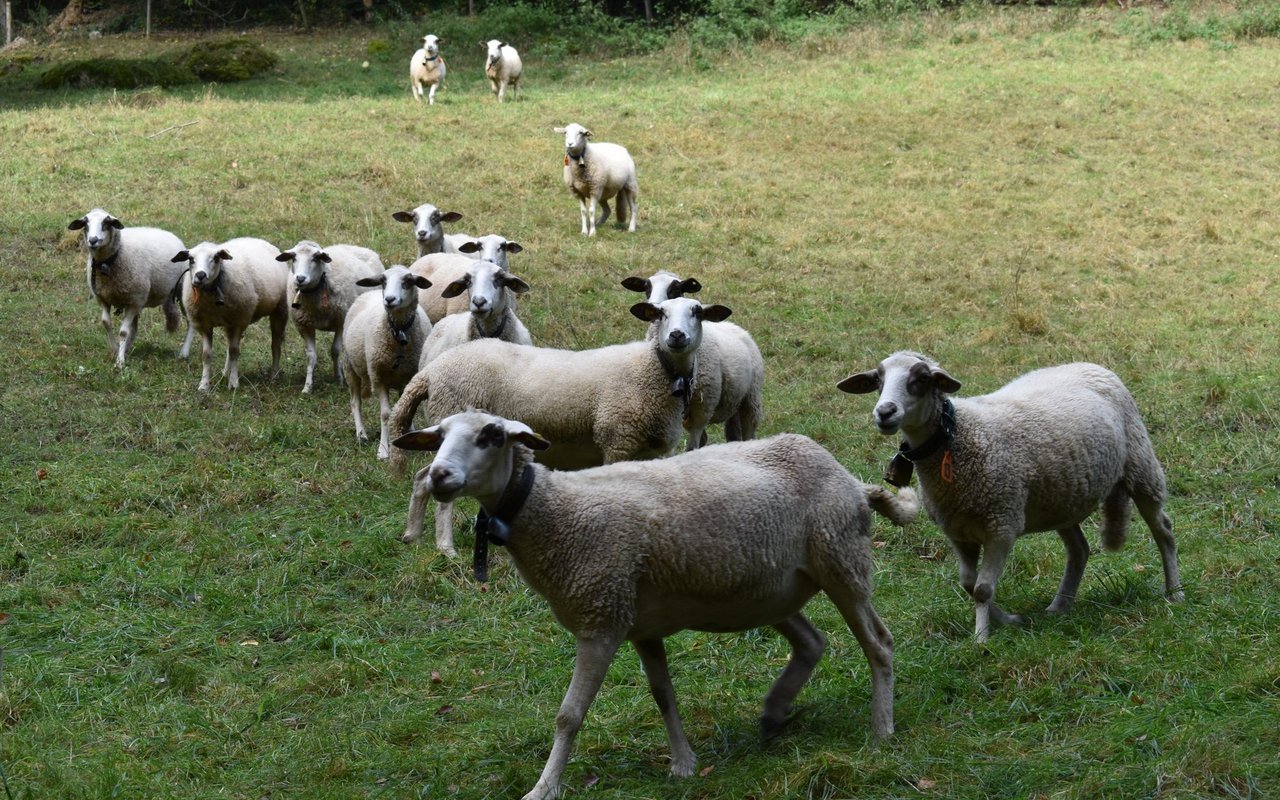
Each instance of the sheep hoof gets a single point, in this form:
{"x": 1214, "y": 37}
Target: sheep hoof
{"x": 1177, "y": 597}
{"x": 1058, "y": 606}
{"x": 408, "y": 538}
{"x": 683, "y": 767}
{"x": 771, "y": 727}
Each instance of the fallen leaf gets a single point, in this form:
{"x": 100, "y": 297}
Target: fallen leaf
{"x": 4, "y": 618}
{"x": 1137, "y": 700}
{"x": 1139, "y": 567}
{"x": 381, "y": 781}
{"x": 590, "y": 780}
{"x": 435, "y": 677}
{"x": 249, "y": 643}
{"x": 925, "y": 784}
{"x": 442, "y": 710}
{"x": 42, "y": 473}
{"x": 705, "y": 771}
{"x": 879, "y": 544}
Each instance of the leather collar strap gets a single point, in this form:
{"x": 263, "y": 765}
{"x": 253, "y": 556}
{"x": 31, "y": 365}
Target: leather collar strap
{"x": 681, "y": 385}
{"x": 496, "y": 527}
{"x": 104, "y": 266}
{"x": 401, "y": 334}
{"x": 900, "y": 468}
{"x": 320, "y": 284}
{"x": 215, "y": 287}
{"x": 502, "y": 327}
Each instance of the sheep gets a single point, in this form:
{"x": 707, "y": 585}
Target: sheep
{"x": 443, "y": 269}
{"x": 427, "y": 231}
{"x": 382, "y": 339}
{"x": 730, "y": 384}
{"x": 727, "y": 538}
{"x": 619, "y": 403}
{"x": 426, "y": 68}
{"x": 492, "y": 314}
{"x": 322, "y": 290}
{"x": 1039, "y": 454}
{"x": 595, "y": 173}
{"x": 128, "y": 269}
{"x": 232, "y": 285}
{"x": 501, "y": 66}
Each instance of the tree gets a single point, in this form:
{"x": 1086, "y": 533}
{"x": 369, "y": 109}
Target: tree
{"x": 69, "y": 16}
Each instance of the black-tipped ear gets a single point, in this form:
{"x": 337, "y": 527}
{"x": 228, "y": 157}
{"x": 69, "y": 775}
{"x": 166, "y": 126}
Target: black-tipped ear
{"x": 425, "y": 439}
{"x": 689, "y": 286}
{"x": 223, "y": 255}
{"x": 502, "y": 45}
{"x": 286, "y": 256}
{"x": 77, "y": 224}
{"x": 182, "y": 255}
{"x": 469, "y": 247}
{"x": 513, "y": 283}
{"x": 646, "y": 312}
{"x": 587, "y": 133}
{"x": 945, "y": 382}
{"x": 112, "y": 222}
{"x": 636, "y": 284}
{"x": 861, "y": 382}
{"x": 450, "y": 216}
{"x": 531, "y": 440}
{"x": 378, "y": 280}
{"x": 403, "y": 216}
{"x": 456, "y": 288}
{"x": 512, "y": 247}
{"x": 420, "y": 282}
{"x": 715, "y": 313}
{"x": 323, "y": 256}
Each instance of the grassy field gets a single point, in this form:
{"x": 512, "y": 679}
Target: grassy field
{"x": 203, "y": 596}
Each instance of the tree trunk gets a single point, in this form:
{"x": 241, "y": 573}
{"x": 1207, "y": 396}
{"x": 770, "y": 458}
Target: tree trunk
{"x": 69, "y": 16}
{"x": 648, "y": 10}
{"x": 148, "y": 19}
{"x": 471, "y": 8}
{"x": 302, "y": 9}
{"x": 8, "y": 22}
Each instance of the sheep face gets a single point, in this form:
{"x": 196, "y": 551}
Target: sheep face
{"x": 431, "y": 45}
{"x": 491, "y": 248}
{"x": 399, "y": 288}
{"x": 474, "y": 455}
{"x": 910, "y": 387}
{"x": 662, "y": 286}
{"x": 206, "y": 262}
{"x": 100, "y": 228}
{"x": 487, "y": 283}
{"x": 494, "y": 46}
{"x": 575, "y": 139}
{"x": 307, "y": 264}
{"x": 679, "y": 321}
{"x": 427, "y": 220}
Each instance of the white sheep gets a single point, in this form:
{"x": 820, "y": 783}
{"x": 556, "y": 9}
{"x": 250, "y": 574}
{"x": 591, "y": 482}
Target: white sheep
{"x": 428, "y": 233}
{"x": 729, "y": 388}
{"x": 232, "y": 285}
{"x": 726, "y": 538}
{"x": 490, "y": 290}
{"x": 501, "y": 66}
{"x": 1041, "y": 453}
{"x": 619, "y": 403}
{"x": 322, "y": 291}
{"x": 596, "y": 173}
{"x": 443, "y": 269}
{"x": 129, "y": 269}
{"x": 381, "y": 342}
{"x": 426, "y": 68}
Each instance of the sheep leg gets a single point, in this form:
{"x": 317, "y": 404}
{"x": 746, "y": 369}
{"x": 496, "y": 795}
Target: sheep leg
{"x": 418, "y": 507}
{"x": 697, "y": 438}
{"x": 185, "y": 352}
{"x": 1077, "y": 556}
{"x": 994, "y": 555}
{"x": 807, "y": 646}
{"x": 633, "y": 208}
{"x": 309, "y": 342}
{"x": 968, "y": 554}
{"x": 1161, "y": 526}
{"x": 171, "y": 314}
{"x": 384, "y": 417}
{"x": 653, "y": 657}
{"x": 335, "y": 353}
{"x": 604, "y": 215}
{"x": 877, "y": 646}
{"x": 431, "y": 95}
{"x": 444, "y": 529}
{"x": 353, "y": 384}
{"x": 590, "y": 665}
{"x": 232, "y": 367}
{"x": 279, "y": 321}
{"x": 591, "y": 216}
{"x": 128, "y": 330}
{"x": 206, "y": 357}
{"x": 582, "y": 210}
{"x": 107, "y": 328}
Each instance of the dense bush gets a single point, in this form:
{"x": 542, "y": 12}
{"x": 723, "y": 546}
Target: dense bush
{"x": 114, "y": 73}
{"x": 226, "y": 60}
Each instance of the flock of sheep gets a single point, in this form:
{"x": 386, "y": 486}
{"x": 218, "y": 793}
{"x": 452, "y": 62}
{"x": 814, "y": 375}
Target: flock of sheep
{"x": 571, "y": 457}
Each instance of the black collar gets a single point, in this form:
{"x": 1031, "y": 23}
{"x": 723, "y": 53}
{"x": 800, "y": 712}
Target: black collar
{"x": 502, "y": 327}
{"x": 320, "y": 284}
{"x": 401, "y": 334}
{"x": 496, "y": 527}
{"x": 215, "y": 287}
{"x": 900, "y": 468}
{"x": 429, "y": 60}
{"x": 681, "y": 385}
{"x": 104, "y": 266}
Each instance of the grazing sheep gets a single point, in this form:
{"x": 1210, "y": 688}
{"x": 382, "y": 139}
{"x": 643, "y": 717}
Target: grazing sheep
{"x": 443, "y": 269}
{"x": 427, "y": 230}
{"x": 322, "y": 291}
{"x": 426, "y": 68}
{"x": 382, "y": 341}
{"x": 619, "y": 403}
{"x": 727, "y": 538}
{"x": 232, "y": 285}
{"x": 662, "y": 285}
{"x": 129, "y": 269}
{"x": 596, "y": 173}
{"x": 501, "y": 66}
{"x": 1041, "y": 453}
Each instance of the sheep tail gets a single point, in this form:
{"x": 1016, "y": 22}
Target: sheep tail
{"x": 1116, "y": 510}
{"x": 402, "y": 418}
{"x": 900, "y": 508}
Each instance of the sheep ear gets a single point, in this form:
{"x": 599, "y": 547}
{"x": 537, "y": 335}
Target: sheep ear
{"x": 636, "y": 284}
{"x": 323, "y": 256}
{"x": 403, "y": 216}
{"x": 861, "y": 382}
{"x": 379, "y": 280}
{"x": 420, "y": 282}
{"x": 425, "y": 439}
{"x": 182, "y": 255}
{"x": 456, "y": 288}
{"x": 945, "y": 382}
{"x": 469, "y": 247}
{"x": 587, "y": 133}
{"x": 512, "y": 247}
{"x": 502, "y": 45}
{"x": 715, "y": 313}
{"x": 689, "y": 286}
{"x": 646, "y": 312}
{"x": 77, "y": 224}
{"x": 514, "y": 284}
{"x": 523, "y": 434}
{"x": 223, "y": 255}
{"x": 286, "y": 256}
{"x": 112, "y": 222}
{"x": 558, "y": 129}
{"x": 450, "y": 216}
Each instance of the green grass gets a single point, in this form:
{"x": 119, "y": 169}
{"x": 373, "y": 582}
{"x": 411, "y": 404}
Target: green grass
{"x": 203, "y": 595}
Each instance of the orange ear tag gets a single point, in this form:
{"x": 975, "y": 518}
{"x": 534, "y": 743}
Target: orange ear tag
{"x": 947, "y": 470}
{"x": 566, "y": 161}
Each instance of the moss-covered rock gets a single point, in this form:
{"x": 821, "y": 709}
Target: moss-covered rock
{"x": 114, "y": 73}
{"x": 226, "y": 60}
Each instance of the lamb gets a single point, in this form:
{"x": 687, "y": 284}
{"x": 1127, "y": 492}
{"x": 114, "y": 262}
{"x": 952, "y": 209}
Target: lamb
{"x": 622, "y": 553}
{"x": 381, "y": 342}
{"x": 619, "y": 403}
{"x": 427, "y": 230}
{"x": 443, "y": 269}
{"x": 502, "y": 67}
{"x": 492, "y": 314}
{"x": 322, "y": 291}
{"x": 662, "y": 285}
{"x": 128, "y": 269}
{"x": 426, "y": 68}
{"x": 232, "y": 285}
{"x": 1039, "y": 454}
{"x": 596, "y": 173}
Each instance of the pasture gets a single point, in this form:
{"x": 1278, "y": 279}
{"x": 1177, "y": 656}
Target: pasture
{"x": 203, "y": 595}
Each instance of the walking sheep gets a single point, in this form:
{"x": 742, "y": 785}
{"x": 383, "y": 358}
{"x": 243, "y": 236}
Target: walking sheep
{"x": 426, "y": 68}
{"x": 322, "y": 291}
{"x": 427, "y": 231}
{"x": 596, "y": 173}
{"x": 129, "y": 269}
{"x": 381, "y": 342}
{"x": 1041, "y": 453}
{"x": 501, "y": 66}
{"x": 727, "y": 538}
{"x": 232, "y": 285}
